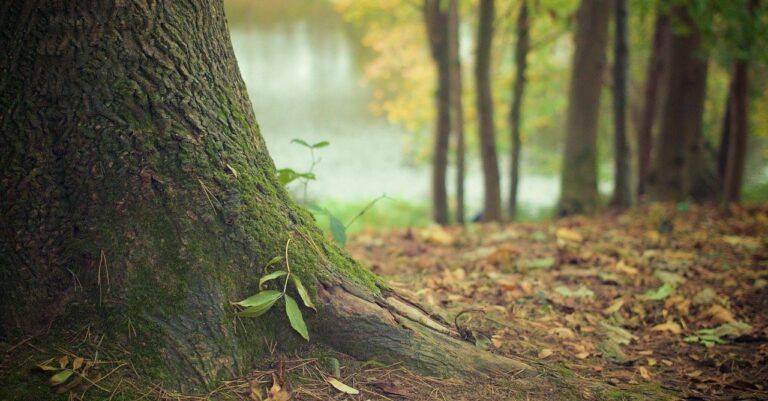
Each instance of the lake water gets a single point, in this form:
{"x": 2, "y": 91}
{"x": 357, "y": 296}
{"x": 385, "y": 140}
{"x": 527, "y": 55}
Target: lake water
{"x": 303, "y": 68}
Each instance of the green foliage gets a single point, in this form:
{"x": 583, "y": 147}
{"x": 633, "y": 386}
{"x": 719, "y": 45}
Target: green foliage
{"x": 295, "y": 318}
{"x": 263, "y": 301}
{"x": 659, "y": 294}
{"x": 720, "y": 334}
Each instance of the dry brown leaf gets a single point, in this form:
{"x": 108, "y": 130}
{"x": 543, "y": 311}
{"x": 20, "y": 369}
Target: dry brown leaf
{"x": 614, "y": 307}
{"x": 544, "y": 353}
{"x": 563, "y": 333}
{"x": 497, "y": 340}
{"x": 718, "y": 314}
{"x": 77, "y": 363}
{"x": 644, "y": 373}
{"x": 63, "y": 361}
{"x": 669, "y": 326}
{"x": 276, "y": 392}
{"x": 567, "y": 234}
{"x": 582, "y": 355}
{"x": 625, "y": 268}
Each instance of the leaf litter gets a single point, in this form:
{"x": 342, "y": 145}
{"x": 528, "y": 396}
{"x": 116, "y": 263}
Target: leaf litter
{"x": 654, "y": 295}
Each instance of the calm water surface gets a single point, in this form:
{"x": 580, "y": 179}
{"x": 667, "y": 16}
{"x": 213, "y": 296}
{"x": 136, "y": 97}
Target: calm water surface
{"x": 303, "y": 70}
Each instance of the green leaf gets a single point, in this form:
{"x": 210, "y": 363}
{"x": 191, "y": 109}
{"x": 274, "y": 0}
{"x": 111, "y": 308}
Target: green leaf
{"x": 315, "y": 208}
{"x": 321, "y": 144}
{"x": 260, "y": 303}
{"x": 271, "y": 276}
{"x": 286, "y": 176}
{"x": 272, "y": 261}
{"x": 338, "y": 230}
{"x": 61, "y": 377}
{"x": 301, "y": 142}
{"x": 662, "y": 293}
{"x": 294, "y": 316}
{"x": 303, "y": 293}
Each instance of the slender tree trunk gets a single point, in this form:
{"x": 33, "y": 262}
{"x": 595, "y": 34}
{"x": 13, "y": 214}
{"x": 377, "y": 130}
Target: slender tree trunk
{"x": 678, "y": 168}
{"x": 622, "y": 194}
{"x": 436, "y": 21}
{"x": 725, "y": 139}
{"x": 139, "y": 200}
{"x": 487, "y": 130}
{"x": 736, "y": 126}
{"x": 522, "y": 47}
{"x": 738, "y": 132}
{"x": 579, "y": 173}
{"x": 655, "y": 69}
{"x": 457, "y": 107}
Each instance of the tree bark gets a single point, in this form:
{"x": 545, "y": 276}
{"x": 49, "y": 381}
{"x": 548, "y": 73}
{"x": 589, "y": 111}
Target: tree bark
{"x": 436, "y": 21}
{"x": 487, "y": 130}
{"x": 622, "y": 194}
{"x": 678, "y": 169}
{"x": 457, "y": 107}
{"x": 139, "y": 200}
{"x": 522, "y": 47}
{"x": 655, "y": 69}
{"x": 579, "y": 172}
{"x": 737, "y": 132}
{"x": 736, "y": 125}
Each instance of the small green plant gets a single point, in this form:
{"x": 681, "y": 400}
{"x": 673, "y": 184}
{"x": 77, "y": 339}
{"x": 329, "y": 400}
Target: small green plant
{"x": 337, "y": 227}
{"x": 260, "y": 303}
{"x": 288, "y": 175}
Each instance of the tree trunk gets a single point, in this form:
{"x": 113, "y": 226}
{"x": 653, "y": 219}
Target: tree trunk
{"x": 139, "y": 200}
{"x": 622, "y": 195}
{"x": 487, "y": 130}
{"x": 457, "y": 106}
{"x": 579, "y": 172}
{"x": 522, "y": 47}
{"x": 655, "y": 69}
{"x": 436, "y": 21}
{"x": 736, "y": 125}
{"x": 678, "y": 168}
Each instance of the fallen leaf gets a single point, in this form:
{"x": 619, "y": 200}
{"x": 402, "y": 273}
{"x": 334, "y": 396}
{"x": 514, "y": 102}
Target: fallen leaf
{"x": 626, "y": 269}
{"x": 718, "y": 314}
{"x": 669, "y": 326}
{"x": 544, "y": 353}
{"x": 582, "y": 355}
{"x": 581, "y": 292}
{"x": 614, "y": 307}
{"x": 341, "y": 386}
{"x": 644, "y": 373}
{"x": 563, "y": 332}
{"x": 77, "y": 363}
{"x": 568, "y": 235}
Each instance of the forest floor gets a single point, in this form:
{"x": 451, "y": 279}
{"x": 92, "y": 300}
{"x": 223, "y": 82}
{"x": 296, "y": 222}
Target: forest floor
{"x": 662, "y": 302}
{"x": 670, "y": 295}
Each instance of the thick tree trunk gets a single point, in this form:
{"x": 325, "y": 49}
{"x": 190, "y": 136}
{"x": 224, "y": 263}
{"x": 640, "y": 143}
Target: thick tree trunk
{"x": 522, "y": 47}
{"x": 436, "y": 21}
{"x": 655, "y": 69}
{"x": 622, "y": 194}
{"x": 487, "y": 130}
{"x": 678, "y": 168}
{"x": 139, "y": 200}
{"x": 457, "y": 107}
{"x": 579, "y": 172}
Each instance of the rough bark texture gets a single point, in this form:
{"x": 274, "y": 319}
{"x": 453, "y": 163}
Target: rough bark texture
{"x": 139, "y": 200}
{"x": 436, "y": 21}
{"x": 579, "y": 173}
{"x": 651, "y": 104}
{"x": 487, "y": 130}
{"x": 678, "y": 167}
{"x": 457, "y": 107}
{"x": 622, "y": 194}
{"x": 522, "y": 47}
